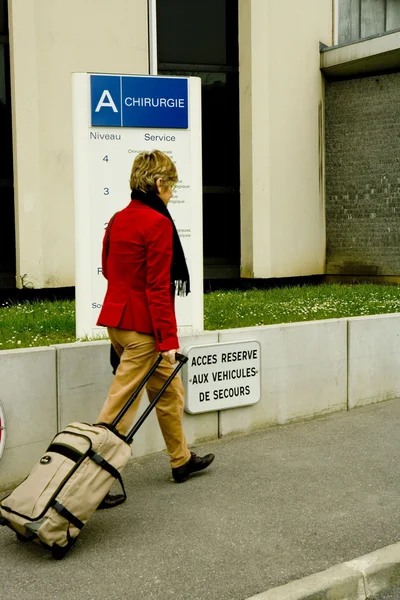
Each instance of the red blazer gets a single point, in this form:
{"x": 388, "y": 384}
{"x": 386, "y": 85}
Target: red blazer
{"x": 139, "y": 296}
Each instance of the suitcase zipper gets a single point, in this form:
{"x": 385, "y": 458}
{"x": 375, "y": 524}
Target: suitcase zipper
{"x": 78, "y": 428}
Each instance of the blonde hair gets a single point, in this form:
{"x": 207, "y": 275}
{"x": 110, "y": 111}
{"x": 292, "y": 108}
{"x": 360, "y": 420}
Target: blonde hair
{"x": 150, "y": 166}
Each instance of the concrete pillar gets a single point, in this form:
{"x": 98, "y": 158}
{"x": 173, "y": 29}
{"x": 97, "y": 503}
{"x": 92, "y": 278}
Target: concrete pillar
{"x": 49, "y": 40}
{"x": 281, "y": 129}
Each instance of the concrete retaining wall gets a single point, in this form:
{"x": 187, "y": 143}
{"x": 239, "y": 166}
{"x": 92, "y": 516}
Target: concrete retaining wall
{"x": 308, "y": 369}
{"x": 374, "y": 359}
{"x": 29, "y": 395}
{"x": 304, "y": 373}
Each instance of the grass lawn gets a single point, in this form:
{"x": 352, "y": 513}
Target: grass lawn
{"x": 43, "y": 323}
{"x": 226, "y": 310}
{"x": 36, "y": 324}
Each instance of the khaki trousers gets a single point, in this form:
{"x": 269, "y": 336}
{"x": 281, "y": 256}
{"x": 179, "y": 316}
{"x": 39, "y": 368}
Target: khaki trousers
{"x": 138, "y": 353}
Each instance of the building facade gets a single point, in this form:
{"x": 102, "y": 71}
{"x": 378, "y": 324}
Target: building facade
{"x": 277, "y": 107}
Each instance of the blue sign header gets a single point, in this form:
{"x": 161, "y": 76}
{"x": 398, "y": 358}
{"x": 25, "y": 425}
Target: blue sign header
{"x": 134, "y": 101}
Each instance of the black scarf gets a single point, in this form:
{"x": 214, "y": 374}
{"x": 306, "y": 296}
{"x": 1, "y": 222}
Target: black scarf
{"x": 180, "y": 280}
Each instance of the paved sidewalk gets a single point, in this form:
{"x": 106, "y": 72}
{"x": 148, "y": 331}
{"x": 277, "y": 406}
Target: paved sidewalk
{"x": 390, "y": 594}
{"x": 275, "y": 506}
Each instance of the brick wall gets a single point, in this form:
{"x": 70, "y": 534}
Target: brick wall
{"x": 363, "y": 176}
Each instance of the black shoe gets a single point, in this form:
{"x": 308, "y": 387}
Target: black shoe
{"x": 193, "y": 465}
{"x": 110, "y": 501}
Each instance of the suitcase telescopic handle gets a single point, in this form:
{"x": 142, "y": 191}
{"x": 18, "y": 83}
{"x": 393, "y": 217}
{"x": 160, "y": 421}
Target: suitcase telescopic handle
{"x": 181, "y": 360}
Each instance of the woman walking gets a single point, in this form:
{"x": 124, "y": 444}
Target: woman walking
{"x": 144, "y": 264}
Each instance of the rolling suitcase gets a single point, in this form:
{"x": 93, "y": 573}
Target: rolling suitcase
{"x": 78, "y": 469}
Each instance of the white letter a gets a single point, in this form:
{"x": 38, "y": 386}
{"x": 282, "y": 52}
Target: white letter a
{"x": 102, "y": 102}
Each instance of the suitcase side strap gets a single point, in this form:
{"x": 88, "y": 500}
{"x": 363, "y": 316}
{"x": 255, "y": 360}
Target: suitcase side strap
{"x": 74, "y": 455}
{"x": 64, "y": 512}
{"x": 99, "y": 460}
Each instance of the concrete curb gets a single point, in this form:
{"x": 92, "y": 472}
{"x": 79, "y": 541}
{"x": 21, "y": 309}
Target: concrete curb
{"x": 358, "y": 579}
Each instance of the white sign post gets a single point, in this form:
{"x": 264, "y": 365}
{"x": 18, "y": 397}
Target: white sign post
{"x": 114, "y": 118}
{"x": 220, "y": 376}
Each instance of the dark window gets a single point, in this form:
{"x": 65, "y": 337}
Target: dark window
{"x": 3, "y": 18}
{"x": 195, "y": 31}
{"x": 201, "y": 39}
{"x": 7, "y": 239}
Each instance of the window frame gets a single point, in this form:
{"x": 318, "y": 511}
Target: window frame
{"x": 152, "y": 24}
{"x": 335, "y": 22}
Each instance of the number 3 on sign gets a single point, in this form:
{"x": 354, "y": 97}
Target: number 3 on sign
{"x": 106, "y": 191}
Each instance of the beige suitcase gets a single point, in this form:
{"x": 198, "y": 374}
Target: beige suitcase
{"x": 72, "y": 477}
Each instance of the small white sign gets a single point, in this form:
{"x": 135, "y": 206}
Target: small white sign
{"x": 220, "y": 376}
{"x": 2, "y": 430}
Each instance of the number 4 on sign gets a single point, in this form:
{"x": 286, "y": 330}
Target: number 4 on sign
{"x": 105, "y": 158}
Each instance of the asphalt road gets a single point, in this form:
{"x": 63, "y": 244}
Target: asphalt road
{"x": 275, "y": 506}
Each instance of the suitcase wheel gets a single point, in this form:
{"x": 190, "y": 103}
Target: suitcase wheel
{"x": 58, "y": 552}
{"x": 3, "y": 521}
{"x": 22, "y": 538}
